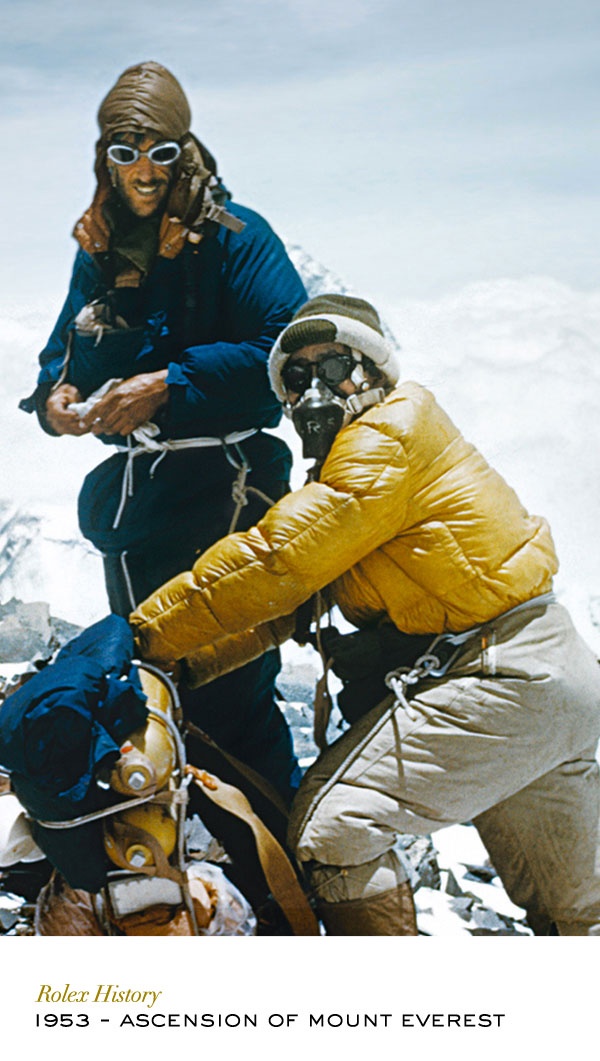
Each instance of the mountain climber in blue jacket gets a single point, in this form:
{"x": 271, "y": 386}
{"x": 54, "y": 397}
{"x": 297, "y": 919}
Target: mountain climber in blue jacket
{"x": 176, "y": 298}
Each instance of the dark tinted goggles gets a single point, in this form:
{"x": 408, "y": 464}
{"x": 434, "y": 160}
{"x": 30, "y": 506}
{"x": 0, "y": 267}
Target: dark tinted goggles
{"x": 331, "y": 369}
{"x": 160, "y": 154}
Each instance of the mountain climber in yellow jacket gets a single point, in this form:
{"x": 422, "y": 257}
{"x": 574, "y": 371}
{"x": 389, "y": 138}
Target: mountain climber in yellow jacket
{"x": 492, "y": 713}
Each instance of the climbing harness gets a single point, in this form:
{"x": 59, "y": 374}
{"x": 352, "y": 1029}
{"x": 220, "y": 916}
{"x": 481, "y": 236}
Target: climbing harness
{"x": 444, "y": 650}
{"x": 435, "y": 662}
{"x": 143, "y": 441}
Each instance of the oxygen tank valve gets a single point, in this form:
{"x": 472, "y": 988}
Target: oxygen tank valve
{"x": 137, "y": 780}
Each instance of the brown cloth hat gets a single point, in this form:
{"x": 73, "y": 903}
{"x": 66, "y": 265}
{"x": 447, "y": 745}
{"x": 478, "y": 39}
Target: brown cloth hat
{"x": 146, "y": 97}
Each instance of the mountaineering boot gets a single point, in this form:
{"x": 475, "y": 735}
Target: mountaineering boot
{"x": 389, "y": 913}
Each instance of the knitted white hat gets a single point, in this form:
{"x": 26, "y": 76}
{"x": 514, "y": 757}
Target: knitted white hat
{"x": 334, "y": 319}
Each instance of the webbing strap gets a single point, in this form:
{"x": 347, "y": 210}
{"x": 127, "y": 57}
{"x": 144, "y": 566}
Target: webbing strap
{"x": 276, "y": 866}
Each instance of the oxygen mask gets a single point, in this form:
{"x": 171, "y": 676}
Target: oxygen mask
{"x": 317, "y": 416}
{"x": 321, "y": 410}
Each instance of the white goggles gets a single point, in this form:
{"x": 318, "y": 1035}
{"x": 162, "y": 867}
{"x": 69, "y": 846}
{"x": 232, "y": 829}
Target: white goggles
{"x": 163, "y": 154}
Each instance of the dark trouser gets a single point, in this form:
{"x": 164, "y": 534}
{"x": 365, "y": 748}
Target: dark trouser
{"x": 239, "y": 711}
{"x": 245, "y": 868}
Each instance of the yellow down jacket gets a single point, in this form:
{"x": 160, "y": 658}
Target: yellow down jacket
{"x": 407, "y": 522}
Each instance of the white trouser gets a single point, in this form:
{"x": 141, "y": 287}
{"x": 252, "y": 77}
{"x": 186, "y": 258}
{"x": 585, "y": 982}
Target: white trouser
{"x": 506, "y": 739}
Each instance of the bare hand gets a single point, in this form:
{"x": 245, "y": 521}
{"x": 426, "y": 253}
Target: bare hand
{"x": 128, "y": 405}
{"x": 60, "y": 418}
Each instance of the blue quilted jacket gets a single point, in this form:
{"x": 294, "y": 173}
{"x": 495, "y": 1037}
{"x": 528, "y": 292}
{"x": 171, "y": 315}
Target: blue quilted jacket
{"x": 210, "y": 315}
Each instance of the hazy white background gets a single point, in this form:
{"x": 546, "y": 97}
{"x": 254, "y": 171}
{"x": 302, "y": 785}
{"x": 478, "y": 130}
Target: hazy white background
{"x": 442, "y": 159}
{"x": 414, "y": 145}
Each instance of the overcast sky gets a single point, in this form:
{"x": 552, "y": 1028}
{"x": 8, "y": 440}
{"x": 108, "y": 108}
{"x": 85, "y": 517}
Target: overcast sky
{"x": 412, "y": 146}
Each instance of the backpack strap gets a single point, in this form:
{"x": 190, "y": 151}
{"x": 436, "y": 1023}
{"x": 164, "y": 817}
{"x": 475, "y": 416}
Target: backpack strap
{"x": 276, "y": 866}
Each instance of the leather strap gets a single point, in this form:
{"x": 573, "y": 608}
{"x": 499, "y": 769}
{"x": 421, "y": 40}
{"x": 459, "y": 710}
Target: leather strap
{"x": 276, "y": 866}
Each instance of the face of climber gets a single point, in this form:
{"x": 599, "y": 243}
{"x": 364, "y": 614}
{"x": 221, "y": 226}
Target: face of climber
{"x": 317, "y": 380}
{"x": 141, "y": 170}
{"x": 331, "y": 363}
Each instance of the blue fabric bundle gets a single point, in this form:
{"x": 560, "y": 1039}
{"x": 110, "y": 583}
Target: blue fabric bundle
{"x": 60, "y": 728}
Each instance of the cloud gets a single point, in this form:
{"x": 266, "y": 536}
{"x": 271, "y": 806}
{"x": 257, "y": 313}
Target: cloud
{"x": 414, "y": 146}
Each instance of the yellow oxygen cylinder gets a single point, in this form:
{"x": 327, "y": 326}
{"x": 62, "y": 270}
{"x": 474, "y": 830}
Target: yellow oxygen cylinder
{"x": 148, "y": 755}
{"x": 153, "y": 818}
{"x": 146, "y": 765}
